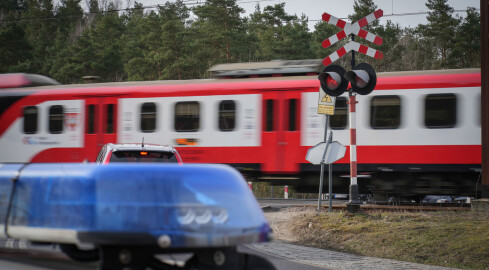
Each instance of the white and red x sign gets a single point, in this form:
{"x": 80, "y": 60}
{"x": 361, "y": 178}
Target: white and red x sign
{"x": 356, "y": 29}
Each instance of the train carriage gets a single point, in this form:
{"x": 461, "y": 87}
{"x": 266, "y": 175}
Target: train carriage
{"x": 417, "y": 133}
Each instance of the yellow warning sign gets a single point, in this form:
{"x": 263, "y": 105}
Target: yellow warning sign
{"x": 326, "y": 109}
{"x": 326, "y": 98}
{"x": 326, "y": 103}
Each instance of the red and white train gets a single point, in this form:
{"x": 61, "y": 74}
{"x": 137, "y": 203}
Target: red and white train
{"x": 417, "y": 132}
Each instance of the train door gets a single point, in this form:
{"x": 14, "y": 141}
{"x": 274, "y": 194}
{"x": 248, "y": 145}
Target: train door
{"x": 281, "y": 131}
{"x": 100, "y": 124}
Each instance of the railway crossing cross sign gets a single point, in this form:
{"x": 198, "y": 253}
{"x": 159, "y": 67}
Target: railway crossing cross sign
{"x": 355, "y": 29}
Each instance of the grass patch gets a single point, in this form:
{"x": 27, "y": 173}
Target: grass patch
{"x": 454, "y": 239}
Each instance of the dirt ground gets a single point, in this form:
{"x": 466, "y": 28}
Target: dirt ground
{"x": 399, "y": 235}
{"x": 280, "y": 221}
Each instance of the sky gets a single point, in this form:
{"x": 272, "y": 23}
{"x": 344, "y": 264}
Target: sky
{"x": 342, "y": 8}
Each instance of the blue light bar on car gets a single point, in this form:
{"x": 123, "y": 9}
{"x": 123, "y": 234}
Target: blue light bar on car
{"x": 168, "y": 205}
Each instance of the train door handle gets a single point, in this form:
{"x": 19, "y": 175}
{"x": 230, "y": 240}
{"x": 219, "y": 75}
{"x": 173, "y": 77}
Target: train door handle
{"x": 282, "y": 143}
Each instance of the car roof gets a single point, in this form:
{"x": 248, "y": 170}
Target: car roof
{"x": 139, "y": 146}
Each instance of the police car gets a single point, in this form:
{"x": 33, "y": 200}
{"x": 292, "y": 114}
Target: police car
{"x": 151, "y": 153}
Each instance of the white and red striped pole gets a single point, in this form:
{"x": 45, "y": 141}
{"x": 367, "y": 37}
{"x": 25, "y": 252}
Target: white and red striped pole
{"x": 353, "y": 141}
{"x": 286, "y": 192}
{"x": 354, "y": 203}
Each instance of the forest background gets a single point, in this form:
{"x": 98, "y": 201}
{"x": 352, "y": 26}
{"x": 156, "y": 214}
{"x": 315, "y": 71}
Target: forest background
{"x": 178, "y": 40}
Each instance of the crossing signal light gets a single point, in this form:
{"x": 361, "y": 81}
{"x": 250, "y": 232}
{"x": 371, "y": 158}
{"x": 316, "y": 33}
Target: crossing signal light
{"x": 332, "y": 80}
{"x": 362, "y": 78}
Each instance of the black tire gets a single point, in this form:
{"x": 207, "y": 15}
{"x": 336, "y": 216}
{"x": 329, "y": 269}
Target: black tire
{"x": 72, "y": 251}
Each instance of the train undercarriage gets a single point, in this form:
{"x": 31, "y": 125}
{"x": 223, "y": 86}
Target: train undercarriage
{"x": 386, "y": 183}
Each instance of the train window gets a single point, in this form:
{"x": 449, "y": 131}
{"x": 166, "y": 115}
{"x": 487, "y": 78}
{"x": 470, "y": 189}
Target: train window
{"x": 109, "y": 127}
{"x": 385, "y": 112}
{"x": 90, "y": 119}
{"x": 292, "y": 114}
{"x": 30, "y": 120}
{"x": 56, "y": 119}
{"x": 339, "y": 119}
{"x": 440, "y": 111}
{"x": 269, "y": 107}
{"x": 148, "y": 117}
{"x": 187, "y": 116}
{"x": 227, "y": 115}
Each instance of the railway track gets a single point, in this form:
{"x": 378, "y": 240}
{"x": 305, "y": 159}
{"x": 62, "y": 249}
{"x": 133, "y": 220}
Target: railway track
{"x": 339, "y": 205}
{"x": 411, "y": 207}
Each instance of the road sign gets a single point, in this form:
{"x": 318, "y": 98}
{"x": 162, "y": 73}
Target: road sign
{"x": 352, "y": 46}
{"x": 326, "y": 103}
{"x": 334, "y": 152}
{"x": 355, "y": 29}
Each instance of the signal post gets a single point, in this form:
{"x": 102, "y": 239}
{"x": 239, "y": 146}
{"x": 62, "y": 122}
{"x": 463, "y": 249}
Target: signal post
{"x": 328, "y": 151}
{"x": 334, "y": 81}
{"x": 484, "y": 5}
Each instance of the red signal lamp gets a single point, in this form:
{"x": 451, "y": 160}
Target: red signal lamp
{"x": 332, "y": 81}
{"x": 362, "y": 78}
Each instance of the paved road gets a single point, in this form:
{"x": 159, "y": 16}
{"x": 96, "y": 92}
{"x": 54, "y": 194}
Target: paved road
{"x": 326, "y": 259}
{"x": 279, "y": 262}
{"x": 282, "y": 255}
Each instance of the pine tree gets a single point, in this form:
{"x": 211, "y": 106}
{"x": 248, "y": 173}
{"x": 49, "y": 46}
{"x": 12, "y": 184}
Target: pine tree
{"x": 69, "y": 16}
{"x": 15, "y": 50}
{"x": 219, "y": 33}
{"x": 465, "y": 51}
{"x": 278, "y": 35}
{"x": 39, "y": 28}
{"x": 175, "y": 41}
{"x": 141, "y": 50}
{"x": 106, "y": 39}
{"x": 440, "y": 30}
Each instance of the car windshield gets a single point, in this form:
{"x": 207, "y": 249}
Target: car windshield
{"x": 142, "y": 156}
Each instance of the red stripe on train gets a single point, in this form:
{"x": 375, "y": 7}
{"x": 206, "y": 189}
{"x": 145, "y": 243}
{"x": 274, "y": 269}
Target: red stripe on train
{"x": 417, "y": 154}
